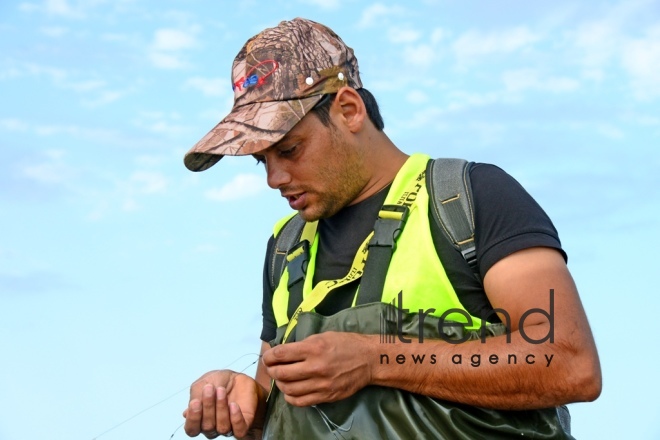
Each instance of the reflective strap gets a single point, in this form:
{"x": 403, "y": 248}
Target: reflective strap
{"x": 324, "y": 287}
{"x": 297, "y": 260}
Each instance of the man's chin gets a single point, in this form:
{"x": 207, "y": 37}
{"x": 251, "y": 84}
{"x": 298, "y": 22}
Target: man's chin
{"x": 309, "y": 215}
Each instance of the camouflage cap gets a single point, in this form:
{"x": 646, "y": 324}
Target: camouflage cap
{"x": 277, "y": 77}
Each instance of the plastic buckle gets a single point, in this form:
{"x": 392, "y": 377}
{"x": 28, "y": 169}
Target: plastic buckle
{"x": 389, "y": 225}
{"x": 470, "y": 255}
{"x": 297, "y": 258}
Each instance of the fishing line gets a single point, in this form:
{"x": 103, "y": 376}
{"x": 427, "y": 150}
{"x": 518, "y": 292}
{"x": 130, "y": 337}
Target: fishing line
{"x": 171, "y": 396}
{"x": 334, "y": 428}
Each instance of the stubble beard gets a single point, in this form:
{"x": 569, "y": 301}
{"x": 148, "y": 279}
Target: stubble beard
{"x": 345, "y": 184}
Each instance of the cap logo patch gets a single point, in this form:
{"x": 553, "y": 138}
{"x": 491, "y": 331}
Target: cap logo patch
{"x": 254, "y": 80}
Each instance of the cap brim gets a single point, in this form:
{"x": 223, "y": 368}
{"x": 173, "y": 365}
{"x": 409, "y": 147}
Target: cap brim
{"x": 247, "y": 130}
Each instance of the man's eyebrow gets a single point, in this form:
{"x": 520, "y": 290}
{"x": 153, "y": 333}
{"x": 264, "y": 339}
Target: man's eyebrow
{"x": 287, "y": 138}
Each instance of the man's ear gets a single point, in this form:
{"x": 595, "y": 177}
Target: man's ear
{"x": 350, "y": 109}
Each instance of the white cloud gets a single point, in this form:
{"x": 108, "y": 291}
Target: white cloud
{"x": 116, "y": 37}
{"x": 489, "y": 133}
{"x": 106, "y": 97}
{"x": 205, "y": 249}
{"x": 130, "y": 205}
{"x": 77, "y": 131}
{"x": 375, "y": 13}
{"x": 168, "y": 44}
{"x": 172, "y": 40}
{"x": 421, "y": 56}
{"x": 474, "y": 44}
{"x": 242, "y": 186}
{"x": 531, "y": 79}
{"x": 67, "y": 80}
{"x": 161, "y": 123}
{"x": 148, "y": 182}
{"x": 167, "y": 60}
{"x": 560, "y": 84}
{"x": 610, "y": 131}
{"x": 463, "y": 100}
{"x": 438, "y": 35}
{"x": 166, "y": 128}
{"x": 323, "y": 4}
{"x": 641, "y": 59}
{"x": 49, "y": 170}
{"x": 99, "y": 212}
{"x": 596, "y": 75}
{"x": 28, "y": 7}
{"x": 129, "y": 191}
{"x": 417, "y": 97}
{"x": 400, "y": 35}
{"x": 13, "y": 124}
{"x": 85, "y": 86}
{"x": 598, "y": 42}
{"x": 605, "y": 43}
{"x": 645, "y": 120}
{"x": 385, "y": 85}
{"x": 11, "y": 72}
{"x": 53, "y": 31}
{"x": 209, "y": 86}
{"x": 55, "y": 73}
{"x": 60, "y": 8}
{"x": 149, "y": 160}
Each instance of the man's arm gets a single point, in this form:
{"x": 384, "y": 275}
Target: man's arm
{"x": 332, "y": 366}
{"x": 223, "y": 400}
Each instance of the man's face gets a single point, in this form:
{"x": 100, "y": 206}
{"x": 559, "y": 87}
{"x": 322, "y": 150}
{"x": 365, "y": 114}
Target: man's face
{"x": 318, "y": 169}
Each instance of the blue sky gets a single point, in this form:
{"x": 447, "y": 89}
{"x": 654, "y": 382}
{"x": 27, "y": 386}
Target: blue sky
{"x": 123, "y": 276}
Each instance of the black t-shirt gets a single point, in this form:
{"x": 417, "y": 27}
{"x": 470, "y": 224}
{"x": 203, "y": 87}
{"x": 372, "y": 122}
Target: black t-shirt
{"x": 507, "y": 219}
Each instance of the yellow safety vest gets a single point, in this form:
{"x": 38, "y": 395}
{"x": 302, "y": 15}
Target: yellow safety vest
{"x": 415, "y": 269}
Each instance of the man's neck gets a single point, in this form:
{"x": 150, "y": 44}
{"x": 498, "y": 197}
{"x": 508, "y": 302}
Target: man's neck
{"x": 384, "y": 161}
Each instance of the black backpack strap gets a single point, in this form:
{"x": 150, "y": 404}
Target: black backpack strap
{"x": 388, "y": 227}
{"x": 286, "y": 239}
{"x": 450, "y": 193}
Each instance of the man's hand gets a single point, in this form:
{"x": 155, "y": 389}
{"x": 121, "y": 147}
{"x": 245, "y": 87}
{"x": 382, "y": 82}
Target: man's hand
{"x": 322, "y": 368}
{"x": 223, "y": 402}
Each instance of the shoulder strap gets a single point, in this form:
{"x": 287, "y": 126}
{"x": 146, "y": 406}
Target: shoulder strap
{"x": 288, "y": 237}
{"x": 450, "y": 192}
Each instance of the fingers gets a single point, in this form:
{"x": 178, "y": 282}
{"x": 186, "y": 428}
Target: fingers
{"x": 208, "y": 409}
{"x": 285, "y": 354}
{"x": 222, "y": 418}
{"x": 238, "y": 423}
{"x": 193, "y": 418}
{"x": 228, "y": 405}
{"x": 295, "y": 372}
{"x": 211, "y": 416}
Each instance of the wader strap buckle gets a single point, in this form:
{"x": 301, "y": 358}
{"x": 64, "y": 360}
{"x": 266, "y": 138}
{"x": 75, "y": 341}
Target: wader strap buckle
{"x": 297, "y": 258}
{"x": 389, "y": 225}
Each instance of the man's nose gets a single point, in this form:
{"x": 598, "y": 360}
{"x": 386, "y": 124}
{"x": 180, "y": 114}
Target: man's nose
{"x": 278, "y": 176}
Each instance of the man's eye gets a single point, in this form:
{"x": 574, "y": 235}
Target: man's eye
{"x": 288, "y": 152}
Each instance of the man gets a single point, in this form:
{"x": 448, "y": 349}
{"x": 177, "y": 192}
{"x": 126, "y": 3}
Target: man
{"x": 300, "y": 108}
